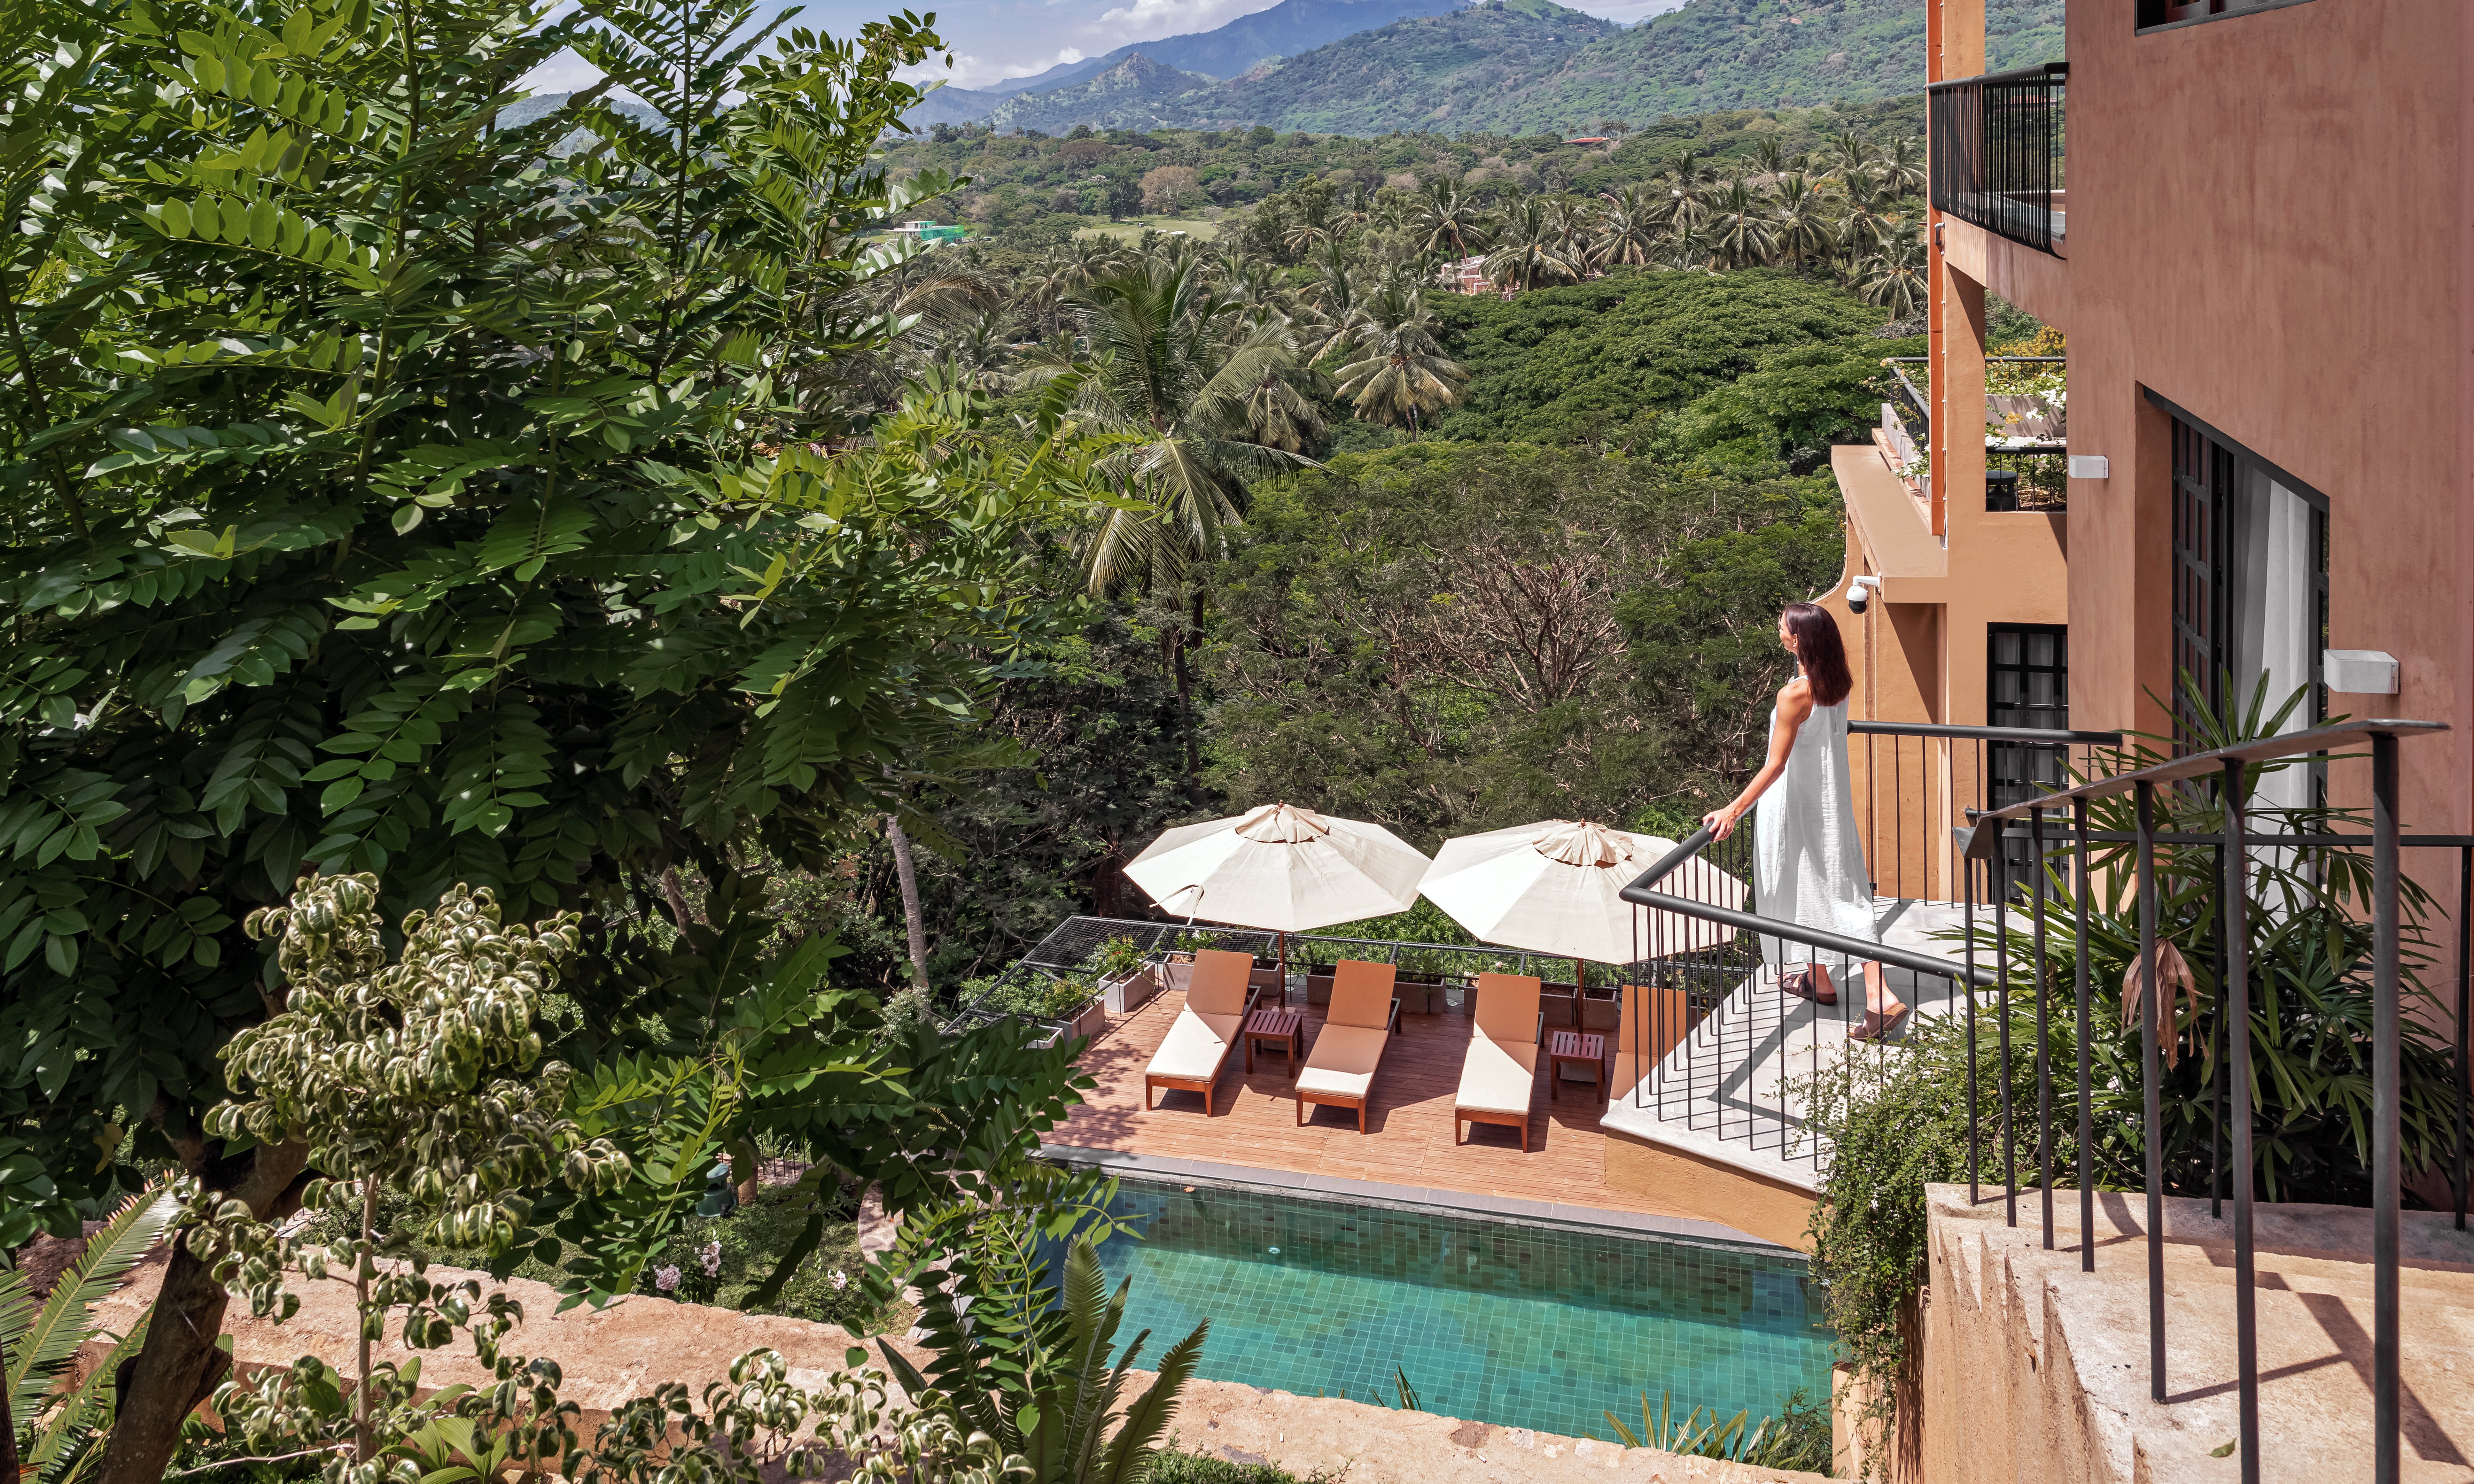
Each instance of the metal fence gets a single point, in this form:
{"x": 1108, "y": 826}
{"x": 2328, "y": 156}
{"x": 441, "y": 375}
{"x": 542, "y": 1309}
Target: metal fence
{"x": 2228, "y": 1022}
{"x": 1996, "y": 151}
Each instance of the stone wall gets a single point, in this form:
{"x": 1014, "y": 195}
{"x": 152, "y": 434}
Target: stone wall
{"x": 2034, "y": 1371}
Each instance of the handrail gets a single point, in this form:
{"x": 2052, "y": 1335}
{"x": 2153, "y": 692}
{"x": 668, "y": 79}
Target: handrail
{"x": 2209, "y": 765}
{"x": 2047, "y": 69}
{"x": 2024, "y": 735}
{"x": 1860, "y": 949}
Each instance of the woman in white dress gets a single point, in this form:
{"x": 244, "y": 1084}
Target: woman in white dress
{"x": 1808, "y": 860}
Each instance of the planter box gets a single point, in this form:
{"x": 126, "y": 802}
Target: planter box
{"x": 1125, "y": 995}
{"x": 1176, "y": 974}
{"x": 1318, "y": 988}
{"x": 1420, "y": 993}
{"x": 1090, "y": 1020}
{"x": 1558, "y": 1000}
{"x": 1269, "y": 981}
{"x": 1602, "y": 1009}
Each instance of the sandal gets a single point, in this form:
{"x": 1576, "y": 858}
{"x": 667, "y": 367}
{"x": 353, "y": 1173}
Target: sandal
{"x": 1876, "y": 1024}
{"x": 1809, "y": 981}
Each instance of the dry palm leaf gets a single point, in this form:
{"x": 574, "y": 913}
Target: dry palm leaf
{"x": 2173, "y": 972}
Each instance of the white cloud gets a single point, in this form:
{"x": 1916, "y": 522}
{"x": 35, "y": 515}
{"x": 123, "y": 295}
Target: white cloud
{"x": 969, "y": 71}
{"x": 1146, "y": 21}
{"x": 563, "y": 73}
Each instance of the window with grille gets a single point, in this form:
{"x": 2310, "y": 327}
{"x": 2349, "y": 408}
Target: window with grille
{"x": 2028, "y": 684}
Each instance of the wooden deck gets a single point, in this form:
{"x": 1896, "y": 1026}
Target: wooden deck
{"x": 1409, "y": 1126}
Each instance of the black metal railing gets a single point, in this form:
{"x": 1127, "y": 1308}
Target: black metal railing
{"x": 1731, "y": 1071}
{"x": 1996, "y": 151}
{"x": 2233, "y": 1019}
{"x": 1915, "y": 783}
{"x": 1986, "y": 849}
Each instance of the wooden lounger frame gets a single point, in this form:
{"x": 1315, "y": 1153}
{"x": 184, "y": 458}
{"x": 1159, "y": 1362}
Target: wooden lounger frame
{"x": 1203, "y": 1085}
{"x": 1342, "y": 1099}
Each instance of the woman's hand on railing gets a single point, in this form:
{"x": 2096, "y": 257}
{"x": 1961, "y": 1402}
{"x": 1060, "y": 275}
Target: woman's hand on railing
{"x": 1720, "y": 823}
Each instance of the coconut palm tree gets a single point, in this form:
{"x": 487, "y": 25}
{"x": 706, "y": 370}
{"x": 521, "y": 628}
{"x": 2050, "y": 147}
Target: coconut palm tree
{"x": 1532, "y": 248}
{"x": 1769, "y": 156}
{"x": 1799, "y": 221}
{"x": 1902, "y": 166}
{"x": 1740, "y": 234}
{"x": 1402, "y": 375}
{"x": 1447, "y": 218}
{"x": 1850, "y": 154}
{"x": 1175, "y": 372}
{"x": 1893, "y": 276}
{"x": 1864, "y": 228}
{"x": 1628, "y": 227}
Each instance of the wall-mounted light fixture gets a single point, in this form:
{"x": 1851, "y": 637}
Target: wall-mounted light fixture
{"x": 2359, "y": 672}
{"x": 2090, "y": 465}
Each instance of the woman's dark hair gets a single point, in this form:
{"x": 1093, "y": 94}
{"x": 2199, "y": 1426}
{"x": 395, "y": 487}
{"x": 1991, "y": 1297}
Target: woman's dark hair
{"x": 1818, "y": 650}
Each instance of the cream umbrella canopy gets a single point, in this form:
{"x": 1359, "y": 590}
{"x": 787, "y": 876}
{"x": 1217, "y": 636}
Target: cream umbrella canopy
{"x": 1553, "y": 887}
{"x": 1280, "y": 867}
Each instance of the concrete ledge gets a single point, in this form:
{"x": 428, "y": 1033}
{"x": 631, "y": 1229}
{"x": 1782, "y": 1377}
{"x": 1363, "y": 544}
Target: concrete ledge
{"x": 1771, "y": 1208}
{"x": 1458, "y": 1203}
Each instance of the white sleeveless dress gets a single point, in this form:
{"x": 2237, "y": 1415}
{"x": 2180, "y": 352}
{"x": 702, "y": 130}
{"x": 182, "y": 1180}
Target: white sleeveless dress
{"x": 1808, "y": 859}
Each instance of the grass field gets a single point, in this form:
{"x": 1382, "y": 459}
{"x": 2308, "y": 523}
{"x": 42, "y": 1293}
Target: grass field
{"x": 1132, "y": 228}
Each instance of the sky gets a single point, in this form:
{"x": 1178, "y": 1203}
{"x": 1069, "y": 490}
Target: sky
{"x": 995, "y": 39}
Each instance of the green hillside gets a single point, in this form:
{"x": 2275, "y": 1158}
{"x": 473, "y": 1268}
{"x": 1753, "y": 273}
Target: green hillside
{"x": 1757, "y": 54}
{"x": 1411, "y": 74}
{"x": 1137, "y": 93}
{"x": 1529, "y": 66}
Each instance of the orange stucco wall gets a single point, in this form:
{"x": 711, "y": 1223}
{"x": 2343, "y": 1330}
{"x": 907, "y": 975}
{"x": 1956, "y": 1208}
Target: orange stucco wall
{"x": 2269, "y": 226}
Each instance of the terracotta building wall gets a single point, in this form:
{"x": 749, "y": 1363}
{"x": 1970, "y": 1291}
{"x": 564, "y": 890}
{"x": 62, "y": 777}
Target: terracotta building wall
{"x": 2269, "y": 226}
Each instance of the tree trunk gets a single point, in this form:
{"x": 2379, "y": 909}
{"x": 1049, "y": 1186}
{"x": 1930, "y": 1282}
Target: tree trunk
{"x": 1186, "y": 703}
{"x": 910, "y": 879}
{"x": 676, "y": 896}
{"x": 188, "y": 1317}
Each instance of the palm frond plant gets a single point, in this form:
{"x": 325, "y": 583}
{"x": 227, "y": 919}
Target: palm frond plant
{"x": 1628, "y": 229}
{"x": 1175, "y": 372}
{"x": 1740, "y": 233}
{"x": 1533, "y": 249}
{"x": 1446, "y": 219}
{"x": 1028, "y": 1361}
{"x": 1893, "y": 275}
{"x": 59, "y": 1431}
{"x": 1402, "y": 377}
{"x": 1801, "y": 221}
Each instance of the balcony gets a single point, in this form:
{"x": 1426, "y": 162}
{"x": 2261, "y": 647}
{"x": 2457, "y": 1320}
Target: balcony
{"x": 2026, "y": 430}
{"x": 1996, "y": 153}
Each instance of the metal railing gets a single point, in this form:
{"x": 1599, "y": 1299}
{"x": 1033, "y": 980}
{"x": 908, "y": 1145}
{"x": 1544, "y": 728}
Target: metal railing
{"x": 1996, "y": 151}
{"x": 1915, "y": 783}
{"x": 1986, "y": 847}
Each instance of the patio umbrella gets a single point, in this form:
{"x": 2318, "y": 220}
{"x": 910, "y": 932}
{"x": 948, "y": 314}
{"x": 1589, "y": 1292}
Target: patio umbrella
{"x": 1280, "y": 867}
{"x": 1553, "y": 887}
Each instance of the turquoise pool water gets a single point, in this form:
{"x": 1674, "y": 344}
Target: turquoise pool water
{"x": 1522, "y": 1326}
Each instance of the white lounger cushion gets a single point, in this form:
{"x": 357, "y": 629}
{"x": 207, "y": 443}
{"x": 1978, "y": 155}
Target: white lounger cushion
{"x": 1344, "y": 1061}
{"x": 1498, "y": 1077}
{"x": 1197, "y": 1044}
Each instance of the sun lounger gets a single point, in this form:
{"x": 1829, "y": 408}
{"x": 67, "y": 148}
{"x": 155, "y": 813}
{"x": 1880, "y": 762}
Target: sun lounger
{"x": 1499, "y": 1079}
{"x": 1362, "y": 1019}
{"x": 1217, "y": 999}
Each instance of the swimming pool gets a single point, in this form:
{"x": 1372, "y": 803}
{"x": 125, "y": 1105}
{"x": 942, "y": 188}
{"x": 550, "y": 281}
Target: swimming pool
{"x": 1526, "y": 1325}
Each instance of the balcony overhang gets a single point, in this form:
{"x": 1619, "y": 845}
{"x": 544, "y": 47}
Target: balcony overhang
{"x": 1891, "y": 525}
{"x": 2038, "y": 282}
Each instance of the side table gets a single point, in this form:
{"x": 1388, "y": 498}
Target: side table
{"x": 1281, "y": 1025}
{"x": 1579, "y": 1049}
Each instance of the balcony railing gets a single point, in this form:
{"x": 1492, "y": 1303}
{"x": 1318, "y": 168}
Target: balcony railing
{"x": 2007, "y": 962}
{"x": 1996, "y": 153}
{"x": 2026, "y": 428}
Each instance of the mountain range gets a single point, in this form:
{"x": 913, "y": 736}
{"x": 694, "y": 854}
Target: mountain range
{"x": 1500, "y": 67}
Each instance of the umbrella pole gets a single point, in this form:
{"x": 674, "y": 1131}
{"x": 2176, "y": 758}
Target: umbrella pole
{"x": 1580, "y": 992}
{"x": 1284, "y": 970}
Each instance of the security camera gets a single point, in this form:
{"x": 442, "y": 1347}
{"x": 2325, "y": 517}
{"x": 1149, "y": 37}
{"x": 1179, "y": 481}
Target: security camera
{"x": 1861, "y": 592}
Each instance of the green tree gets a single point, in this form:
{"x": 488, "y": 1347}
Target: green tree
{"x": 1403, "y": 374}
{"x": 1173, "y": 368}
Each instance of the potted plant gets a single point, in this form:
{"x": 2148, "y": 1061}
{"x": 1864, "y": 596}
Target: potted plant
{"x": 1073, "y": 1004}
{"x": 1126, "y": 979}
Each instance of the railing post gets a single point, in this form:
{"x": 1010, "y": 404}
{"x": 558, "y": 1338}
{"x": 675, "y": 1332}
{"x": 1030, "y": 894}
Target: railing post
{"x": 2044, "y": 1062}
{"x": 2153, "y": 1113}
{"x": 2087, "y": 1114}
{"x": 1975, "y": 1140}
{"x": 2234, "y": 1009}
{"x": 2385, "y": 1189}
{"x": 2002, "y": 1013}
